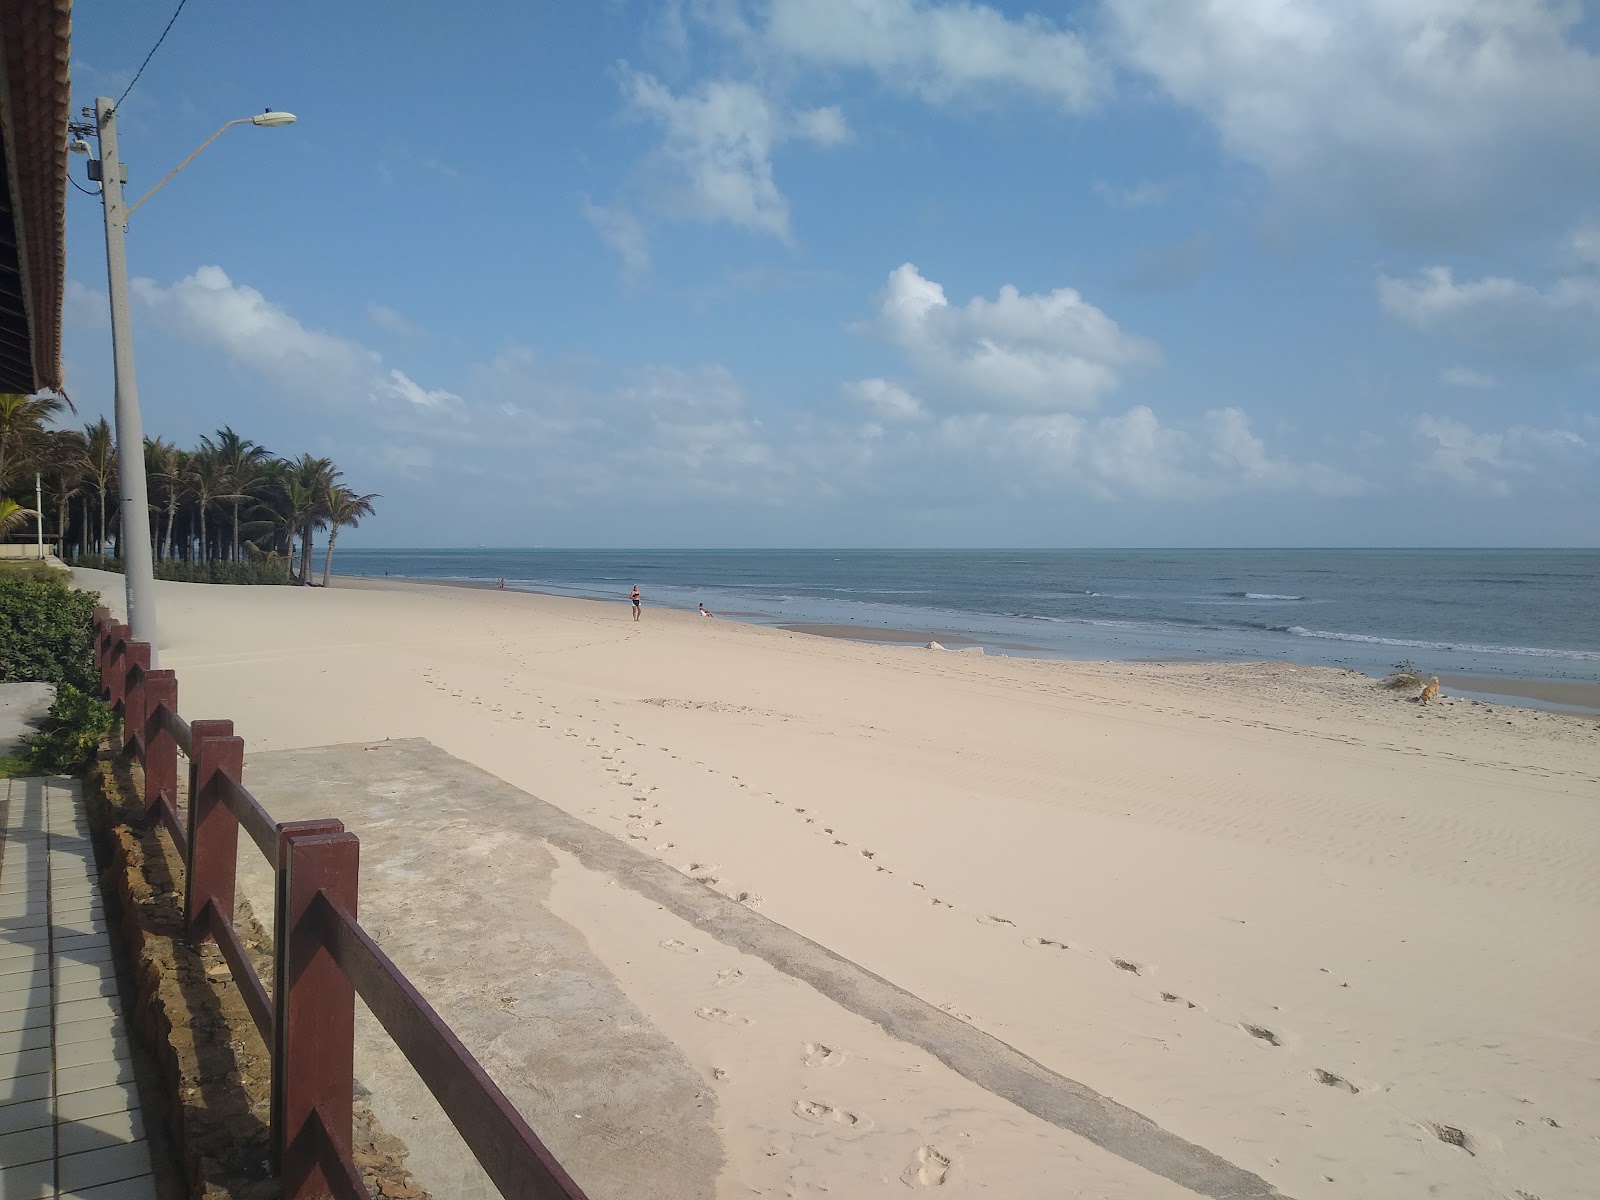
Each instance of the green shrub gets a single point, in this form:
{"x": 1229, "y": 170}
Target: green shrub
{"x": 70, "y": 737}
{"x": 46, "y": 633}
{"x": 271, "y": 570}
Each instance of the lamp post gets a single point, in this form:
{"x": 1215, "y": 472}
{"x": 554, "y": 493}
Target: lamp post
{"x": 137, "y": 561}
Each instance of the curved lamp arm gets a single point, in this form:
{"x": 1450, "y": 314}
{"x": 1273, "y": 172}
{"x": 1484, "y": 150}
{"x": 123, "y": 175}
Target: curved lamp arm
{"x": 266, "y": 118}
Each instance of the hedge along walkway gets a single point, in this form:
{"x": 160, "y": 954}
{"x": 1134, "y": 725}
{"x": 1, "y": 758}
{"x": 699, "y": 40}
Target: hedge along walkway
{"x": 70, "y": 1124}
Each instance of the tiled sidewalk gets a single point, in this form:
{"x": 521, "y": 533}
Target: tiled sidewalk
{"x": 69, "y": 1112}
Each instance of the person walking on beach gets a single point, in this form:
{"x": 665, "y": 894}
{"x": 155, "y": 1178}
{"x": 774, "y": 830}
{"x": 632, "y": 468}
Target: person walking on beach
{"x": 636, "y": 602}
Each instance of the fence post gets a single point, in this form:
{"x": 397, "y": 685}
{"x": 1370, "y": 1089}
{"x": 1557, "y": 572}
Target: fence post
{"x": 215, "y": 758}
{"x": 314, "y": 1012}
{"x": 136, "y": 665}
{"x": 116, "y": 664}
{"x": 160, "y": 747}
{"x": 102, "y": 618}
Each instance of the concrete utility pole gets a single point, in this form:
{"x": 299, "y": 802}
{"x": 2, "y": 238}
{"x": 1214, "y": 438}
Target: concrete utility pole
{"x": 138, "y": 569}
{"x": 38, "y": 510}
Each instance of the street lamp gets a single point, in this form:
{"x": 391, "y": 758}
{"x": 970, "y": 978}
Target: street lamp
{"x": 137, "y": 560}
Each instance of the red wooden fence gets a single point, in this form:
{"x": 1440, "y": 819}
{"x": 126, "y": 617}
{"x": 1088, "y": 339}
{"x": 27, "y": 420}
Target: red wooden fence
{"x": 323, "y": 958}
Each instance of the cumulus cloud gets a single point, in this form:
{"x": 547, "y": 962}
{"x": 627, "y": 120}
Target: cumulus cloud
{"x": 623, "y": 232}
{"x": 1557, "y": 323}
{"x": 886, "y": 400}
{"x": 1045, "y": 352}
{"x": 1483, "y": 460}
{"x": 259, "y": 335}
{"x": 1422, "y": 114}
{"x": 390, "y": 320}
{"x": 939, "y": 51}
{"x": 715, "y": 159}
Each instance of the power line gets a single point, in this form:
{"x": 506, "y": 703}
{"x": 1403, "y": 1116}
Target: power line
{"x": 80, "y": 186}
{"x": 149, "y": 56}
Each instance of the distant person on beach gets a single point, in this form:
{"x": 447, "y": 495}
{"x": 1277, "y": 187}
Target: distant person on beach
{"x": 636, "y": 602}
{"x": 501, "y": 585}
{"x": 706, "y": 612}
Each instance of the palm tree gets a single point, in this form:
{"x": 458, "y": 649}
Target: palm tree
{"x": 20, "y": 418}
{"x": 64, "y": 461}
{"x": 316, "y": 476}
{"x": 344, "y": 507}
{"x": 242, "y": 460}
{"x": 101, "y": 454}
{"x": 13, "y": 516}
{"x": 208, "y": 483}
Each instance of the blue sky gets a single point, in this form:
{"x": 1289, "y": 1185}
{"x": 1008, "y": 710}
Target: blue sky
{"x": 874, "y": 272}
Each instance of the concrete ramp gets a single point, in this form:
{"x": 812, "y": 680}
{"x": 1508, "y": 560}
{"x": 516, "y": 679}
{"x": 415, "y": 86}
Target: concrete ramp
{"x": 454, "y": 880}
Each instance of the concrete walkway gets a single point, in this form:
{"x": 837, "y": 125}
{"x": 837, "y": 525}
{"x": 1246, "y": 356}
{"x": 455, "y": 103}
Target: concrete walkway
{"x": 69, "y": 1111}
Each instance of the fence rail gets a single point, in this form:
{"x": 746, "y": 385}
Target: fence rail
{"x": 323, "y": 958}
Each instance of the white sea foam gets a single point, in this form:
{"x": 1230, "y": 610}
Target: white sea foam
{"x": 1459, "y": 647}
{"x": 1269, "y": 596}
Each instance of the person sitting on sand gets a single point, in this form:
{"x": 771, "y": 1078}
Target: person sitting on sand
{"x": 635, "y": 599}
{"x": 706, "y": 612}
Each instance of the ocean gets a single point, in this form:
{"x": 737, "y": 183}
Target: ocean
{"x": 1518, "y": 614}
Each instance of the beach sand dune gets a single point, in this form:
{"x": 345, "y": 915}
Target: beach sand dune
{"x": 1340, "y": 940}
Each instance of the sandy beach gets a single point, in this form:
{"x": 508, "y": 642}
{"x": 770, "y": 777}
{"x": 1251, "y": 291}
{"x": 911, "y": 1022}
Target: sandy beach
{"x": 1339, "y": 940}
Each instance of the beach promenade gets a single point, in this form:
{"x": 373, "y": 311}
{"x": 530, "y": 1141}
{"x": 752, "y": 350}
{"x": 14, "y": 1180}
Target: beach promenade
{"x": 1333, "y": 941}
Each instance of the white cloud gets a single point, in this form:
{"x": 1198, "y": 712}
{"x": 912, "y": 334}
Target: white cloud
{"x": 1560, "y": 322}
{"x": 259, "y": 335}
{"x": 1584, "y": 245}
{"x": 1482, "y": 460}
{"x": 389, "y": 319}
{"x": 1422, "y": 114}
{"x": 623, "y": 233}
{"x": 886, "y": 400}
{"x": 1466, "y": 377}
{"x": 715, "y": 160}
{"x": 1048, "y": 352}
{"x": 939, "y": 51}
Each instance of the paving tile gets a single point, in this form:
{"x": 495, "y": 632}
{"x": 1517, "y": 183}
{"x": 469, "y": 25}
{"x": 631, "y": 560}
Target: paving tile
{"x": 84, "y": 1010}
{"x": 17, "y": 1040}
{"x": 143, "y": 1188}
{"x": 109, "y": 1048}
{"x": 31, "y": 1114}
{"x": 27, "y": 920}
{"x": 76, "y": 942}
{"x": 24, "y": 989}
{"x": 24, "y": 1062}
{"x": 28, "y": 1146}
{"x": 109, "y": 1164}
{"x": 91, "y": 1076}
{"x": 27, "y": 1088}
{"x": 103, "y": 1025}
{"x": 86, "y": 989}
{"x": 67, "y": 971}
{"x": 85, "y": 954}
{"x": 36, "y": 1181}
{"x": 70, "y": 910}
{"x": 26, "y": 1018}
{"x": 95, "y": 1133}
{"x": 17, "y": 904}
{"x": 17, "y": 964}
{"x": 22, "y": 939}
{"x": 119, "y": 1097}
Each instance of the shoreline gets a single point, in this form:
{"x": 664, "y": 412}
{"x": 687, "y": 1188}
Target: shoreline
{"x": 1577, "y": 698}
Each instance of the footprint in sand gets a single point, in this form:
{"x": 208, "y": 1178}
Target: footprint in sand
{"x": 751, "y": 899}
{"x": 721, "y": 1016}
{"x": 827, "y": 1114}
{"x": 1262, "y": 1033}
{"x": 992, "y": 920}
{"x": 1123, "y": 964}
{"x": 678, "y": 946}
{"x": 729, "y": 977}
{"x": 1335, "y": 1081}
{"x": 1039, "y": 943}
{"x": 819, "y": 1055}
{"x": 928, "y": 1168}
{"x": 1174, "y": 998}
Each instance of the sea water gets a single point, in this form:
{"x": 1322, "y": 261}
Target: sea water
{"x": 1525, "y": 614}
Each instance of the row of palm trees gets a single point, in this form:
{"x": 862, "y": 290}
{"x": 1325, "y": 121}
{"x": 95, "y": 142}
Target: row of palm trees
{"x": 227, "y": 500}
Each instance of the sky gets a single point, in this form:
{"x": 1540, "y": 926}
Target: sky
{"x": 711, "y": 273}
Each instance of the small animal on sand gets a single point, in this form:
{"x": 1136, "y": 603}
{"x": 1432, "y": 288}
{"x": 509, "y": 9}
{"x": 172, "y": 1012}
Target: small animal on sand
{"x": 1431, "y": 691}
